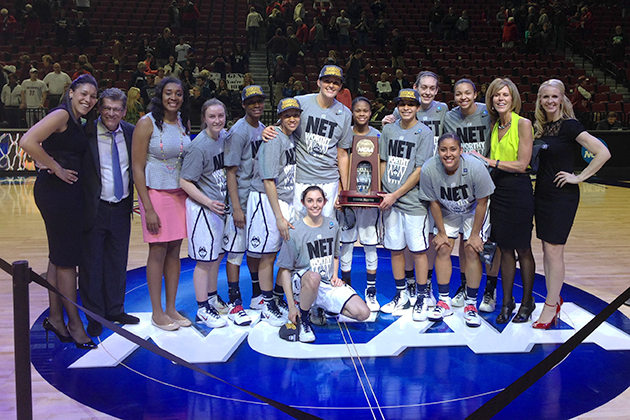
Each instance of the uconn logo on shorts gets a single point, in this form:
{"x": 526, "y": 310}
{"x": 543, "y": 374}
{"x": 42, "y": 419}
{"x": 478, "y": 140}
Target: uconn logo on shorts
{"x": 255, "y": 241}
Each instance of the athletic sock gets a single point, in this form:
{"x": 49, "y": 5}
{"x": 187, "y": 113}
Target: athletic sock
{"x": 346, "y": 276}
{"x": 234, "y": 292}
{"x": 211, "y": 294}
{"x": 304, "y": 315}
{"x": 430, "y": 275}
{"x": 491, "y": 284}
{"x": 203, "y": 304}
{"x": 371, "y": 281}
{"x": 278, "y": 291}
{"x": 422, "y": 289}
{"x": 410, "y": 277}
{"x": 255, "y": 284}
{"x": 443, "y": 290}
{"x": 267, "y": 295}
{"x": 463, "y": 277}
{"x": 400, "y": 284}
{"x": 471, "y": 295}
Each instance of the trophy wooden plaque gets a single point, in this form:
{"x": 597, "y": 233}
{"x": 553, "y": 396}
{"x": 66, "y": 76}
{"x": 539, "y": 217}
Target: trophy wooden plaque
{"x": 364, "y": 174}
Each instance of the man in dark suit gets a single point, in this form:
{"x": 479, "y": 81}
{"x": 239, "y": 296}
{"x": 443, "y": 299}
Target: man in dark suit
{"x": 400, "y": 82}
{"x": 108, "y": 191}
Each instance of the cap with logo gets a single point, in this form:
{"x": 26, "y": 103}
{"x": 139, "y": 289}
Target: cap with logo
{"x": 287, "y": 104}
{"x": 251, "y": 91}
{"x": 407, "y": 94}
{"x": 331, "y": 70}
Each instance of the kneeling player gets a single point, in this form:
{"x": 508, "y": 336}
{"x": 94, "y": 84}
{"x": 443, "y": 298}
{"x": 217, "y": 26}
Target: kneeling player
{"x": 308, "y": 264}
{"x": 458, "y": 186}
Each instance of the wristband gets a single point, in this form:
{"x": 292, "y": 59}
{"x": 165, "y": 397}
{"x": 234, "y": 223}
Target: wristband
{"x": 497, "y": 164}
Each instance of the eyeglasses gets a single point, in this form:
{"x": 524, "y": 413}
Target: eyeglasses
{"x": 107, "y": 109}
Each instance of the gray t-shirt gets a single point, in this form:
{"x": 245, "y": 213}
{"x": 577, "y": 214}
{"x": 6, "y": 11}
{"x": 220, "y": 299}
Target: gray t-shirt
{"x": 276, "y": 160}
{"x": 456, "y": 193}
{"x": 321, "y": 132}
{"x": 241, "y": 146}
{"x": 404, "y": 151}
{"x": 312, "y": 248}
{"x": 203, "y": 165}
{"x": 474, "y": 130}
{"x": 432, "y": 117}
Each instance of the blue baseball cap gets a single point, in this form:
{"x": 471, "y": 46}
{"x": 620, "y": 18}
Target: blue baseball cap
{"x": 407, "y": 94}
{"x": 331, "y": 70}
{"x": 251, "y": 91}
{"x": 287, "y": 104}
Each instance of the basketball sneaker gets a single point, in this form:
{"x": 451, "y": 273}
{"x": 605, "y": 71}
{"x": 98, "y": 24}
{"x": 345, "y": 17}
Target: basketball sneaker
{"x": 272, "y": 314}
{"x": 282, "y": 305}
{"x": 217, "y": 303}
{"x": 420, "y": 309}
{"x": 306, "y": 334}
{"x": 399, "y": 303}
{"x": 442, "y": 309}
{"x": 257, "y": 303}
{"x": 460, "y": 297}
{"x": 317, "y": 316}
{"x": 412, "y": 292}
{"x": 370, "y": 299}
{"x": 210, "y": 317}
{"x": 237, "y": 314}
{"x": 471, "y": 316}
{"x": 489, "y": 301}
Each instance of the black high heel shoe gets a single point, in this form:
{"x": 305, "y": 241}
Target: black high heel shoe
{"x": 86, "y": 346}
{"x": 525, "y": 312}
{"x": 51, "y": 328}
{"x": 506, "y": 312}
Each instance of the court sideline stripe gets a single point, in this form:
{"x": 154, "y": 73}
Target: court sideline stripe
{"x": 511, "y": 392}
{"x": 291, "y": 411}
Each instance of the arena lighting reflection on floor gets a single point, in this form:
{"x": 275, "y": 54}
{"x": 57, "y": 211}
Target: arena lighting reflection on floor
{"x": 403, "y": 370}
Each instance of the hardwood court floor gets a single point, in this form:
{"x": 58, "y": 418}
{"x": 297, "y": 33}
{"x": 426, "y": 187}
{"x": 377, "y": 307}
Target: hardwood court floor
{"x": 596, "y": 259}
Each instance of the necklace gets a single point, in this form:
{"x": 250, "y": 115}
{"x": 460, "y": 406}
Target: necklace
{"x": 181, "y": 148}
{"x": 501, "y": 127}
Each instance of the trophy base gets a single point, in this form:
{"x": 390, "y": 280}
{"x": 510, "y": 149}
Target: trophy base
{"x": 350, "y": 198}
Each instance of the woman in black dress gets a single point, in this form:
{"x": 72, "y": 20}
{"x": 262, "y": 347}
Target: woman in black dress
{"x": 59, "y": 143}
{"x": 557, "y": 193}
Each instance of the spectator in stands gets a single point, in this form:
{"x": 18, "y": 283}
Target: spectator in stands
{"x": 510, "y": 34}
{"x": 559, "y": 23}
{"x": 82, "y": 26}
{"x": 118, "y": 52}
{"x": 192, "y": 66}
{"x": 224, "y": 94}
{"x": 135, "y": 109}
{"x": 316, "y": 35}
{"x": 532, "y": 17}
{"x": 143, "y": 49}
{"x": 448, "y": 24}
{"x": 278, "y": 44}
{"x": 581, "y": 101}
{"x": 31, "y": 22}
{"x": 164, "y": 47}
{"x": 298, "y": 88}
{"x": 151, "y": 85}
{"x": 173, "y": 68}
{"x": 586, "y": 22}
{"x": 380, "y": 29}
{"x": 139, "y": 80}
{"x": 272, "y": 6}
{"x": 618, "y": 45}
{"x": 57, "y": 83}
{"x": 463, "y": 26}
{"x": 174, "y": 15}
{"x": 219, "y": 62}
{"x": 11, "y": 99}
{"x": 345, "y": 96}
{"x": 332, "y": 31}
{"x": 288, "y": 10}
{"x": 196, "y": 102}
{"x": 610, "y": 123}
{"x": 84, "y": 62}
{"x": 299, "y": 12}
{"x": 80, "y": 69}
{"x": 248, "y": 80}
{"x": 302, "y": 34}
{"x": 323, "y": 8}
{"x": 399, "y": 46}
{"x": 530, "y": 39}
{"x": 150, "y": 67}
{"x": 61, "y": 29}
{"x": 47, "y": 63}
{"x": 190, "y": 16}
{"x": 294, "y": 46}
{"x": 281, "y": 74}
{"x": 384, "y": 88}
{"x": 278, "y": 21}
{"x": 400, "y": 82}
{"x": 252, "y": 26}
{"x": 331, "y": 59}
{"x": 542, "y": 19}
{"x": 188, "y": 79}
{"x": 239, "y": 60}
{"x": 377, "y": 7}
{"x": 354, "y": 68}
{"x": 363, "y": 30}
{"x": 343, "y": 25}
{"x": 481, "y": 97}
{"x": 7, "y": 26}
{"x": 25, "y": 67}
{"x": 161, "y": 74}
{"x": 545, "y": 39}
{"x": 379, "y": 110}
{"x": 355, "y": 10}
{"x": 436, "y": 14}
{"x": 34, "y": 92}
{"x": 183, "y": 51}
{"x": 288, "y": 88}
{"x": 207, "y": 86}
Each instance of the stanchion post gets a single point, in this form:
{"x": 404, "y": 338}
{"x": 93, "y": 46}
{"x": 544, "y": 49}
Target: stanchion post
{"x": 22, "y": 341}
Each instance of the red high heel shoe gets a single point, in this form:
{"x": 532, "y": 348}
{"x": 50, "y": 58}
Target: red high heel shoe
{"x": 554, "y": 320}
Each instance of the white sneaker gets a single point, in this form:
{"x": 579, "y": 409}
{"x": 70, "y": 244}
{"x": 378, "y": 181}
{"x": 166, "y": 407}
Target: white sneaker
{"x": 371, "y": 301}
{"x": 471, "y": 316}
{"x": 317, "y": 316}
{"x": 489, "y": 302}
{"x": 412, "y": 291}
{"x": 460, "y": 297}
{"x": 442, "y": 309}
{"x": 217, "y": 303}
{"x": 210, "y": 317}
{"x": 399, "y": 303}
{"x": 282, "y": 305}
{"x": 421, "y": 309}
{"x": 237, "y": 314}
{"x": 272, "y": 314}
{"x": 306, "y": 334}
{"x": 257, "y": 303}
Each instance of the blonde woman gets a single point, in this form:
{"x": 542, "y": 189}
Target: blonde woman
{"x": 557, "y": 193}
{"x": 135, "y": 109}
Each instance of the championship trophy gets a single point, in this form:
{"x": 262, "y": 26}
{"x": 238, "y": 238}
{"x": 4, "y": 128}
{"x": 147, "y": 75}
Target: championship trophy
{"x": 364, "y": 174}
